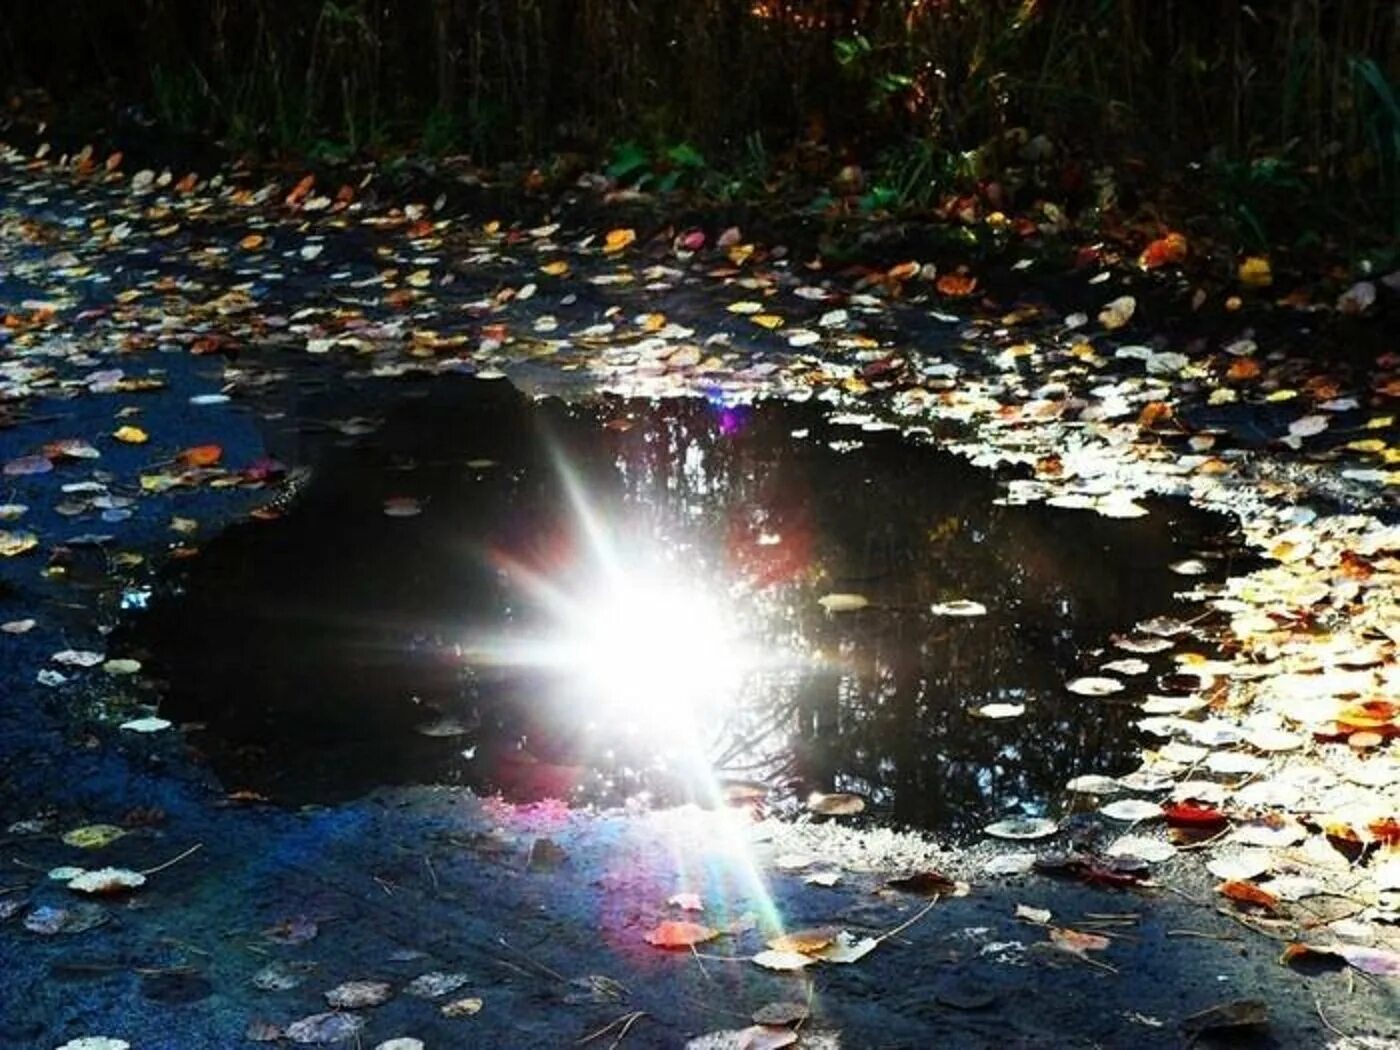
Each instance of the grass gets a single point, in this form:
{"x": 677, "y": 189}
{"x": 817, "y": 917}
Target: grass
{"x": 1278, "y": 99}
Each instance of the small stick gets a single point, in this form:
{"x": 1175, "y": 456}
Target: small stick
{"x": 1203, "y": 934}
{"x": 703, "y": 972}
{"x": 625, "y": 1019}
{"x": 1330, "y": 1026}
{"x": 174, "y": 860}
{"x": 626, "y": 1028}
{"x": 908, "y": 922}
{"x": 533, "y": 962}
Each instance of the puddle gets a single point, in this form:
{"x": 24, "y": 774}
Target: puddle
{"x": 339, "y": 647}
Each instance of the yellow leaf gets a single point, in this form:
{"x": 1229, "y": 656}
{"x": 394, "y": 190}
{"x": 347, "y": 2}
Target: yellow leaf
{"x": 769, "y": 321}
{"x": 12, "y": 543}
{"x": 131, "y": 435}
{"x": 93, "y": 836}
{"x": 557, "y": 268}
{"x": 1367, "y": 445}
{"x": 420, "y": 278}
{"x": 618, "y": 239}
{"x": 745, "y": 306}
{"x": 1255, "y": 272}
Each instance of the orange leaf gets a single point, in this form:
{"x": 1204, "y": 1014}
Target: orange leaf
{"x": 201, "y": 456}
{"x": 956, "y": 285}
{"x": 1153, "y": 413}
{"x": 300, "y": 190}
{"x": 680, "y": 934}
{"x": 805, "y": 941}
{"x": 903, "y": 271}
{"x": 1369, "y": 715}
{"x": 252, "y": 242}
{"x": 618, "y": 239}
{"x": 1243, "y": 892}
{"x": 1164, "y": 251}
{"x": 1243, "y": 368}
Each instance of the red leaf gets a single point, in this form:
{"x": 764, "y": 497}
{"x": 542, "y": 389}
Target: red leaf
{"x": 1193, "y": 814}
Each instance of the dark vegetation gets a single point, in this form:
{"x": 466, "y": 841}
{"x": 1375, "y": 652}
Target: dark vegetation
{"x": 1284, "y": 115}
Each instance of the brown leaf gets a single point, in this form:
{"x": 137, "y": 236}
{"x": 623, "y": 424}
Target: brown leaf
{"x": 1242, "y": 892}
{"x": 928, "y": 883}
{"x": 1238, "y": 1013}
{"x": 680, "y": 934}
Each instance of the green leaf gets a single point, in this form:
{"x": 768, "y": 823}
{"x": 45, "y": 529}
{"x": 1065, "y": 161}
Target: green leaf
{"x": 629, "y": 159}
{"x": 684, "y": 155}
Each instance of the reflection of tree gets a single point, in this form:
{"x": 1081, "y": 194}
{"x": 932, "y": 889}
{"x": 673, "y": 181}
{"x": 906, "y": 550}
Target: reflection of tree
{"x": 315, "y": 637}
{"x": 887, "y": 714}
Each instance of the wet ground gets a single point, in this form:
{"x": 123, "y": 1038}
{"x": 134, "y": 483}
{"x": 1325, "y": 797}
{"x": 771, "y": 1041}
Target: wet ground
{"x": 307, "y": 434}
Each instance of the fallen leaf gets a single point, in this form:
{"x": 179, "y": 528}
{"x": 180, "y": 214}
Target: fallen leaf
{"x": 1132, "y": 810}
{"x": 835, "y": 805}
{"x": 14, "y": 543}
{"x": 1094, "y": 685}
{"x": 1243, "y": 892}
{"x": 1378, "y": 961}
{"x": 1118, "y": 313}
{"x": 1040, "y": 916}
{"x": 1255, "y": 272}
{"x": 958, "y": 607}
{"x": 1190, "y": 814}
{"x": 131, "y": 435}
{"x": 780, "y": 1013}
{"x": 680, "y": 934}
{"x": 956, "y": 285}
{"x": 356, "y": 995}
{"x": 782, "y": 960}
{"x": 1164, "y": 251}
{"x": 325, "y": 1028}
{"x": 1238, "y": 1013}
{"x": 107, "y": 881}
{"x": 842, "y": 603}
{"x": 618, "y": 239}
{"x": 468, "y": 1006}
{"x": 1022, "y": 828}
{"x": 93, "y": 836}
{"x": 812, "y": 939}
{"x": 1075, "y": 942}
{"x": 435, "y": 984}
{"x": 927, "y": 883}
{"x": 200, "y": 456}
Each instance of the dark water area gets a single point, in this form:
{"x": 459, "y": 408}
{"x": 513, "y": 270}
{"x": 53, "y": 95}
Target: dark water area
{"x": 430, "y": 608}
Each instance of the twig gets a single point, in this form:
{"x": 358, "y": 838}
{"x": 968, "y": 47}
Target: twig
{"x": 1330, "y": 1026}
{"x": 626, "y": 1020}
{"x": 1206, "y": 842}
{"x": 908, "y": 922}
{"x": 703, "y": 972}
{"x": 533, "y": 962}
{"x": 1203, "y": 934}
{"x": 174, "y": 860}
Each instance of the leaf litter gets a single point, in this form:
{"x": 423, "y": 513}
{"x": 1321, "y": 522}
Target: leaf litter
{"x": 1301, "y": 733}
